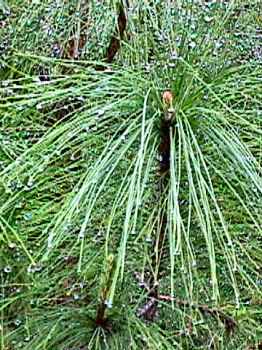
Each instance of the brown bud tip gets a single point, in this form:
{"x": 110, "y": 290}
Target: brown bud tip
{"x": 168, "y": 97}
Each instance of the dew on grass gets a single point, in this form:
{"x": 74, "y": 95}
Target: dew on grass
{"x": 208, "y": 19}
{"x": 9, "y": 92}
{"x": 194, "y": 263}
{"x": 56, "y": 51}
{"x": 68, "y": 226}
{"x": 76, "y": 296}
{"x": 193, "y": 36}
{"x": 5, "y": 83}
{"x": 28, "y": 216}
{"x": 123, "y": 137}
{"x": 192, "y": 44}
{"x": 100, "y": 112}
{"x": 147, "y": 68}
{"x": 39, "y": 106}
{"x": 159, "y": 158}
{"x": 6, "y": 142}
{"x": 81, "y": 235}
{"x": 47, "y": 29}
{"x": 8, "y": 190}
{"x": 20, "y": 204}
{"x": 50, "y": 241}
{"x": 218, "y": 44}
{"x": 30, "y": 182}
{"x": 148, "y": 240}
{"x": 7, "y": 269}
{"x": 34, "y": 268}
{"x": 174, "y": 55}
{"x": 17, "y": 322}
{"x": 13, "y": 185}
{"x": 12, "y": 245}
{"x": 109, "y": 304}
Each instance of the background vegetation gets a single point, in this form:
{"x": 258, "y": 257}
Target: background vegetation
{"x": 101, "y": 247}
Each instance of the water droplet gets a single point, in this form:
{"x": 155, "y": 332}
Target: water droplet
{"x": 192, "y": 44}
{"x": 17, "y": 322}
{"x": 39, "y": 106}
{"x": 109, "y": 304}
{"x": 123, "y": 137}
{"x": 148, "y": 239}
{"x": 56, "y": 51}
{"x": 30, "y": 182}
{"x": 100, "y": 112}
{"x": 208, "y": 19}
{"x": 34, "y": 268}
{"x": 29, "y": 269}
{"x": 174, "y": 55}
{"x": 5, "y": 83}
{"x": 159, "y": 158}
{"x": 86, "y": 128}
{"x": 28, "y": 216}
{"x": 81, "y": 235}
{"x": 11, "y": 245}
{"x": 8, "y": 269}
{"x": 76, "y": 296}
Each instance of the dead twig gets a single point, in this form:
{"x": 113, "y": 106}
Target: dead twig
{"x": 228, "y": 321}
{"x": 151, "y": 305}
{"x": 118, "y": 35}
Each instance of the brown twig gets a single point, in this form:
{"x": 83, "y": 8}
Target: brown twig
{"x": 118, "y": 35}
{"x": 149, "y": 310}
{"x": 228, "y": 321}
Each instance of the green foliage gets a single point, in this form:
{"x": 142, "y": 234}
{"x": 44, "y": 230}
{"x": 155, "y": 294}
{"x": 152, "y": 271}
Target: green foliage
{"x": 80, "y": 206}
